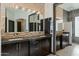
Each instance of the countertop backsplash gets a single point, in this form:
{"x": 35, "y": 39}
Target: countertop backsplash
{"x": 20, "y": 34}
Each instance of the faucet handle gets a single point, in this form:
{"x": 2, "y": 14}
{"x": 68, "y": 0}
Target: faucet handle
{"x": 16, "y": 33}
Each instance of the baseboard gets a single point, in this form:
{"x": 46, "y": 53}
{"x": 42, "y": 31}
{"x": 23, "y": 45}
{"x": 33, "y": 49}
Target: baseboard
{"x": 53, "y": 53}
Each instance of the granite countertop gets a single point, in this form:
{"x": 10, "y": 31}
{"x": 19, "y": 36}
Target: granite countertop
{"x": 21, "y": 39}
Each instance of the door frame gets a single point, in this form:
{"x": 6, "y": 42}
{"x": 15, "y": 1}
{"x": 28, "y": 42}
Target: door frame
{"x": 54, "y": 27}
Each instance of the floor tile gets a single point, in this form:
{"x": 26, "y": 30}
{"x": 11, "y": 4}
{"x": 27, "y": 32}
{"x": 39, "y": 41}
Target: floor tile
{"x": 69, "y": 51}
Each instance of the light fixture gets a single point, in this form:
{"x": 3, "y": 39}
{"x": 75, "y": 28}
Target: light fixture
{"x": 38, "y": 12}
{"x": 23, "y": 8}
{"x": 29, "y": 10}
{"x": 16, "y": 7}
{"x": 34, "y": 11}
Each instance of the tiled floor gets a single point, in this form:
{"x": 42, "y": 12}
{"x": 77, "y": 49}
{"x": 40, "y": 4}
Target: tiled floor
{"x": 69, "y": 51}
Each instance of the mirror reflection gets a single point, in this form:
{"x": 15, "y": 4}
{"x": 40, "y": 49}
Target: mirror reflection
{"x": 23, "y": 20}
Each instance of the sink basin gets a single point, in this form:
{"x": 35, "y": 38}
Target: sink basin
{"x": 42, "y": 36}
{"x": 15, "y": 39}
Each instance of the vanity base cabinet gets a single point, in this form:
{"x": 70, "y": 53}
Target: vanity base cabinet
{"x": 33, "y": 47}
{"x": 40, "y": 47}
{"x": 9, "y": 49}
{"x": 23, "y": 48}
{"x": 45, "y": 47}
{"x": 15, "y": 49}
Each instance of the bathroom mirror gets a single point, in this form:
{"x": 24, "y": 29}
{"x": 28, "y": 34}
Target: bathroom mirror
{"x": 23, "y": 20}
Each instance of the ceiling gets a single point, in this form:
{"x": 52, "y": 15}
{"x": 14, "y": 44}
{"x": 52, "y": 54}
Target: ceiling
{"x": 33, "y": 6}
{"x": 69, "y": 6}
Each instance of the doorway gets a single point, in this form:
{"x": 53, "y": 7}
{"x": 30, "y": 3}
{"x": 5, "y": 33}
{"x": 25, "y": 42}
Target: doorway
{"x": 76, "y": 34}
{"x": 20, "y": 25}
{"x": 67, "y": 12}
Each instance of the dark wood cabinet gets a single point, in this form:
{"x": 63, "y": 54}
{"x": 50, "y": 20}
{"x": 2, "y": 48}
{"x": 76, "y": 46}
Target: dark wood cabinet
{"x": 40, "y": 47}
{"x": 9, "y": 49}
{"x": 15, "y": 49}
{"x": 33, "y": 47}
{"x": 45, "y": 47}
{"x": 23, "y": 48}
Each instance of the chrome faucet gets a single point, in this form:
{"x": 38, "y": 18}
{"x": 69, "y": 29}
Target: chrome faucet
{"x": 16, "y": 35}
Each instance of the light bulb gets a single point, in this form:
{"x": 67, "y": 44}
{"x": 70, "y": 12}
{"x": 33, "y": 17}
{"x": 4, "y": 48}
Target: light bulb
{"x": 38, "y": 12}
{"x": 23, "y": 8}
{"x": 16, "y": 7}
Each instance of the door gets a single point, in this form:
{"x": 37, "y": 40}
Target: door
{"x": 19, "y": 28}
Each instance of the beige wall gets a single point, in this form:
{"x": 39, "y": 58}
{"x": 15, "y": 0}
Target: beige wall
{"x": 0, "y": 30}
{"x": 59, "y": 13}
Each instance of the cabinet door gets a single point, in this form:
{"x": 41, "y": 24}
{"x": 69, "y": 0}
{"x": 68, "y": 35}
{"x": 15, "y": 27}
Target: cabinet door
{"x": 35, "y": 48}
{"x": 45, "y": 46}
{"x": 23, "y": 48}
{"x": 9, "y": 49}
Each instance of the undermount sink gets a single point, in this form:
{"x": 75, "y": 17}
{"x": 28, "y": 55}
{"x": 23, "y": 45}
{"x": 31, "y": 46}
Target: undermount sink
{"x": 42, "y": 36}
{"x": 15, "y": 39}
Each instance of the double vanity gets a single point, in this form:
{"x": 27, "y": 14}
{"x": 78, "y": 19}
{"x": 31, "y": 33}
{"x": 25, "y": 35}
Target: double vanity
{"x": 26, "y": 33}
{"x": 32, "y": 44}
